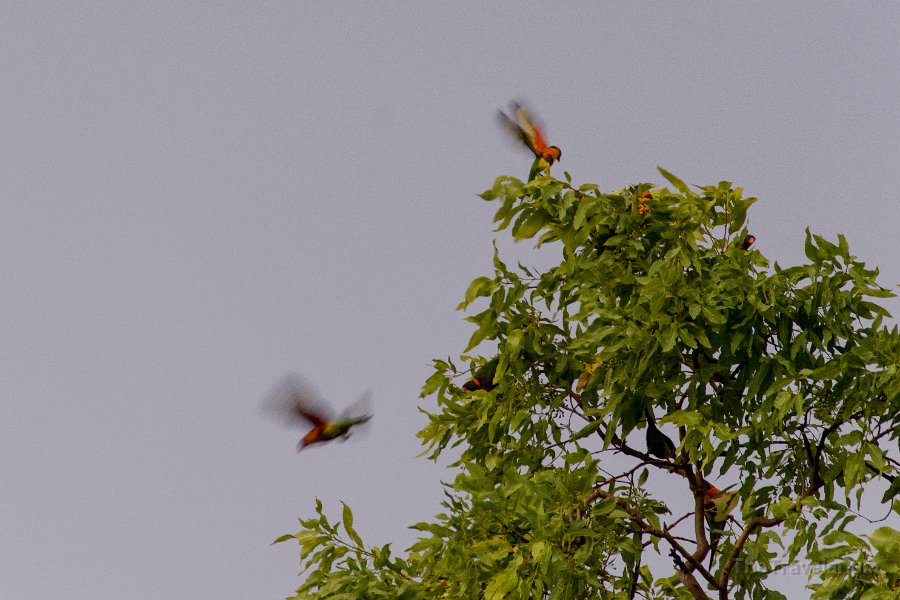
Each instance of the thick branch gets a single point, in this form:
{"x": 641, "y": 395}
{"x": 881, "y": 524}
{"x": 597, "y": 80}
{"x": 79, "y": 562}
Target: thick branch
{"x": 752, "y": 525}
{"x": 692, "y": 585}
{"x": 692, "y": 563}
{"x": 687, "y": 578}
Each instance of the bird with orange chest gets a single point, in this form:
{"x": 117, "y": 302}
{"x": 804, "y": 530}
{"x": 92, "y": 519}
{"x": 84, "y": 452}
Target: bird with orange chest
{"x": 717, "y": 505}
{"x": 295, "y": 402}
{"x": 710, "y": 493}
{"x": 483, "y": 377}
{"x": 642, "y": 202}
{"x": 526, "y": 130}
{"x": 748, "y": 241}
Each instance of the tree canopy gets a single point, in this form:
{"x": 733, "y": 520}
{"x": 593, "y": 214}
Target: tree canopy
{"x": 668, "y": 415}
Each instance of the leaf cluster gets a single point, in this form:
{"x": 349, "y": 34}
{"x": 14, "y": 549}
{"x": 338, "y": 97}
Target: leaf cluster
{"x": 782, "y": 382}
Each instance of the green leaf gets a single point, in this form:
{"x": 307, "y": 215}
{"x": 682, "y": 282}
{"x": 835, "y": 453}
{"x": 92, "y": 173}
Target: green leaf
{"x": 529, "y": 224}
{"x": 879, "y": 592}
{"x": 480, "y": 286}
{"x": 829, "y": 370}
{"x": 812, "y": 253}
{"x": 501, "y": 584}
{"x": 348, "y": 517}
{"x": 853, "y": 469}
{"x": 514, "y": 341}
{"x": 587, "y": 430}
{"x": 694, "y": 310}
{"x": 667, "y": 338}
{"x": 348, "y": 526}
{"x": 580, "y": 215}
{"x": 887, "y": 541}
{"x": 284, "y": 538}
{"x": 686, "y": 337}
{"x": 739, "y": 213}
{"x": 676, "y": 183}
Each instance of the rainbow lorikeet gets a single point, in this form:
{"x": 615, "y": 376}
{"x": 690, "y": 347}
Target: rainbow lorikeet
{"x": 295, "y": 401}
{"x": 526, "y": 130}
{"x": 483, "y": 377}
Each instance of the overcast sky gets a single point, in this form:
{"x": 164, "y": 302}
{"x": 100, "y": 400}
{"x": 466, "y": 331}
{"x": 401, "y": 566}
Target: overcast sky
{"x": 197, "y": 200}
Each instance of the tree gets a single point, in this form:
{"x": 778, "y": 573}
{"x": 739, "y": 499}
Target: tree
{"x": 778, "y": 386}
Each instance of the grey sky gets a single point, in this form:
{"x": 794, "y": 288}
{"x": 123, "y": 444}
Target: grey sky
{"x": 196, "y": 200}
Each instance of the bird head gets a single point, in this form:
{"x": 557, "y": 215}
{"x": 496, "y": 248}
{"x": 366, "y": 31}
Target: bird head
{"x": 552, "y": 154}
{"x": 311, "y": 437}
{"x": 748, "y": 241}
{"x": 710, "y": 492}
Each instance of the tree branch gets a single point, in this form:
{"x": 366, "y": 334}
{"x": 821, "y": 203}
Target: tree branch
{"x": 752, "y": 525}
{"x": 687, "y": 578}
{"x": 692, "y": 563}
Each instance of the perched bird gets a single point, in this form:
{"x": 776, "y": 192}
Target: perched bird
{"x": 748, "y": 241}
{"x": 658, "y": 443}
{"x": 716, "y": 507}
{"x": 483, "y": 378}
{"x": 710, "y": 494}
{"x": 642, "y": 202}
{"x": 524, "y": 128}
{"x": 295, "y": 401}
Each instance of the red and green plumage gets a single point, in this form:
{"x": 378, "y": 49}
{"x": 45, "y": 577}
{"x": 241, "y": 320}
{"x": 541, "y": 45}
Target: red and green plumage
{"x": 717, "y": 505}
{"x": 527, "y": 131}
{"x": 483, "y": 377}
{"x": 295, "y": 401}
{"x": 710, "y": 494}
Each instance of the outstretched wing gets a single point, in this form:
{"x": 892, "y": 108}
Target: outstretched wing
{"x": 532, "y": 128}
{"x": 295, "y": 401}
{"x": 517, "y": 132}
{"x": 360, "y": 411}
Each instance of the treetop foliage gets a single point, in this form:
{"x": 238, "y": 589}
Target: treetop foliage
{"x": 777, "y": 387}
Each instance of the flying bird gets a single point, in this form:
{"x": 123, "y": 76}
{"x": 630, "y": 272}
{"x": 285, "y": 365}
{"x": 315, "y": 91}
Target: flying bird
{"x": 296, "y": 402}
{"x": 526, "y": 130}
{"x": 483, "y": 378}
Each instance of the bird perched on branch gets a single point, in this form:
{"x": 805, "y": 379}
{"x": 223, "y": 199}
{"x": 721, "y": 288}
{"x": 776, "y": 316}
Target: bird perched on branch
{"x": 658, "y": 444}
{"x": 526, "y": 130}
{"x": 717, "y": 505}
{"x": 748, "y": 241}
{"x": 642, "y": 202}
{"x": 483, "y": 378}
{"x": 710, "y": 494}
{"x": 295, "y": 401}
